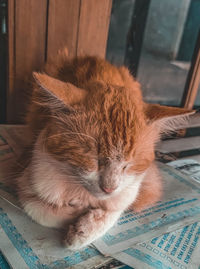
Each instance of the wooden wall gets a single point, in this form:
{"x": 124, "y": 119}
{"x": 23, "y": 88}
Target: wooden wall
{"x": 37, "y": 29}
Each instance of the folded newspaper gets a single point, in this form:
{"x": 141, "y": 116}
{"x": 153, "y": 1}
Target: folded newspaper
{"x": 163, "y": 236}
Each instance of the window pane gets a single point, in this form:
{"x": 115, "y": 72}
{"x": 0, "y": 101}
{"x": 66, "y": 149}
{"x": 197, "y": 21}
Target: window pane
{"x": 161, "y": 35}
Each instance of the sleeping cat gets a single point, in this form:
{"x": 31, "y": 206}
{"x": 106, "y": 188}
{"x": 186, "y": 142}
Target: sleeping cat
{"x": 93, "y": 147}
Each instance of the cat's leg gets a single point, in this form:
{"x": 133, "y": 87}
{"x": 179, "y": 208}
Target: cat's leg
{"x": 150, "y": 191}
{"x": 51, "y": 215}
{"x": 44, "y": 215}
{"x": 89, "y": 227}
{"x": 44, "y": 199}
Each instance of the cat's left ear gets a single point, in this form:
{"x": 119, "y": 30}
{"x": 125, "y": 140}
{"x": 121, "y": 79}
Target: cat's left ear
{"x": 167, "y": 118}
{"x": 55, "y": 93}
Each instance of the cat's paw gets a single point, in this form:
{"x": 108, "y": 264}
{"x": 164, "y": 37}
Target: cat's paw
{"x": 75, "y": 238}
{"x": 84, "y": 231}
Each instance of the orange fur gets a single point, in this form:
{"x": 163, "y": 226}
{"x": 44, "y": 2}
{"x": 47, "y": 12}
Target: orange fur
{"x": 93, "y": 137}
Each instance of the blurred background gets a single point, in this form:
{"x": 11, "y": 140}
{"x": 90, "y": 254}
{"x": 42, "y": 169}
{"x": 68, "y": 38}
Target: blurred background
{"x": 155, "y": 39}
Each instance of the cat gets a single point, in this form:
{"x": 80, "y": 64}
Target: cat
{"x": 93, "y": 142}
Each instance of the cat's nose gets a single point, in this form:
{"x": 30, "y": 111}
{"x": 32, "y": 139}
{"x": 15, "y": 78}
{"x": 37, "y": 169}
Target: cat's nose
{"x": 105, "y": 187}
{"x": 108, "y": 190}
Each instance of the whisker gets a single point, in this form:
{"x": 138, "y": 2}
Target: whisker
{"x": 74, "y": 183}
{"x": 11, "y": 176}
{"x": 86, "y": 182}
{"x": 77, "y": 181}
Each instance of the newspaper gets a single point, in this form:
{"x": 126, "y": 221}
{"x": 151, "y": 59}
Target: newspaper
{"x": 177, "y": 249}
{"x": 26, "y": 244}
{"x": 180, "y": 206}
{"x": 188, "y": 167}
{"x": 163, "y": 236}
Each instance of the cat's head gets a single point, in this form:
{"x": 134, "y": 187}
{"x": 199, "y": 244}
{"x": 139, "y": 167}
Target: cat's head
{"x": 104, "y": 137}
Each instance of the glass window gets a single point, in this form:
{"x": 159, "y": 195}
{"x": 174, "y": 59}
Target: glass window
{"x": 156, "y": 40}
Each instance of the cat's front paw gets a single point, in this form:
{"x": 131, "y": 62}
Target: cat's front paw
{"x": 83, "y": 232}
{"x": 75, "y": 238}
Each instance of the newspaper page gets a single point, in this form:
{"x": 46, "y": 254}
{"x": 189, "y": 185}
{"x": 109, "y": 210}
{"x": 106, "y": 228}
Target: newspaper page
{"x": 26, "y": 244}
{"x": 178, "y": 249}
{"x": 180, "y": 206}
{"x": 188, "y": 167}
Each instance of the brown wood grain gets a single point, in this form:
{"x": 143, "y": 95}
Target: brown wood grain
{"x": 30, "y": 42}
{"x": 27, "y": 41}
{"x": 63, "y": 20}
{"x": 93, "y": 27}
{"x": 37, "y": 29}
{"x": 193, "y": 79}
{"x": 30, "y": 35}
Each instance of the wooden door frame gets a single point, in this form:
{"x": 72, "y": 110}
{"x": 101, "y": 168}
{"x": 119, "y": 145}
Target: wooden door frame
{"x": 193, "y": 79}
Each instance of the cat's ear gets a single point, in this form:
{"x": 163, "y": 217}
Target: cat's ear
{"x": 167, "y": 118}
{"x": 55, "y": 93}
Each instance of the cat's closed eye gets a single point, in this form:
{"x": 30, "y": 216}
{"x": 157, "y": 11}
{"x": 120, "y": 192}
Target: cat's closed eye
{"x": 125, "y": 167}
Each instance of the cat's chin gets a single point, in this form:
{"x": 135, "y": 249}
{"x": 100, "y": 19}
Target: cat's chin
{"x": 103, "y": 196}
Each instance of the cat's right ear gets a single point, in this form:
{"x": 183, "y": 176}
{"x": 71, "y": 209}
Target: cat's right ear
{"x": 53, "y": 93}
{"x": 165, "y": 118}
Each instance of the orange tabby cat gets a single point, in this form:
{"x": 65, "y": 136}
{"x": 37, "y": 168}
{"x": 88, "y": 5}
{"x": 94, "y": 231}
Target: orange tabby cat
{"x": 93, "y": 148}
